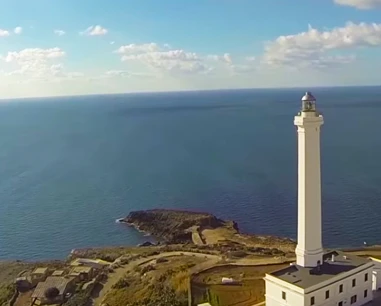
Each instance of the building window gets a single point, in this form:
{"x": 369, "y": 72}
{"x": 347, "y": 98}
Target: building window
{"x": 312, "y": 300}
{"x": 353, "y": 282}
{"x": 353, "y": 299}
{"x": 366, "y": 277}
{"x": 340, "y": 288}
{"x": 327, "y": 294}
{"x": 283, "y": 295}
{"x": 365, "y": 293}
{"x": 340, "y": 304}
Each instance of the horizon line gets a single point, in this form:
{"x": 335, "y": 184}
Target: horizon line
{"x": 187, "y": 91}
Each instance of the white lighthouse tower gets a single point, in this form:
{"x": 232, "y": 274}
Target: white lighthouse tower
{"x": 317, "y": 278}
{"x": 309, "y": 251}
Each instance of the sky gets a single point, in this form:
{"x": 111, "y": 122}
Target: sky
{"x": 72, "y": 47}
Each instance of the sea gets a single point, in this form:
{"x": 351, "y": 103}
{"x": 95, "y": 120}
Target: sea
{"x": 71, "y": 166}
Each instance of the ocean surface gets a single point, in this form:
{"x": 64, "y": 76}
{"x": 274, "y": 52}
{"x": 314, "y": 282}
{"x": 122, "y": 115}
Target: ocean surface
{"x": 69, "y": 167}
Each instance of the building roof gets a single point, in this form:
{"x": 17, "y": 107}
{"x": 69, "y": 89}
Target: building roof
{"x": 52, "y": 281}
{"x": 375, "y": 259}
{"x": 308, "y": 277}
{"x": 40, "y": 271}
{"x": 94, "y": 263}
{"x": 58, "y": 273}
{"x": 80, "y": 269}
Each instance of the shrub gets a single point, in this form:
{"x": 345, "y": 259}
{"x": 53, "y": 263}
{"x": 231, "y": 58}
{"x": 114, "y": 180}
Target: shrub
{"x": 120, "y": 284}
{"x": 147, "y": 269}
{"x": 154, "y": 253}
{"x": 80, "y": 299}
{"x": 124, "y": 260}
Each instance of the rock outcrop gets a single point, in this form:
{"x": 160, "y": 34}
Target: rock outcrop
{"x": 174, "y": 226}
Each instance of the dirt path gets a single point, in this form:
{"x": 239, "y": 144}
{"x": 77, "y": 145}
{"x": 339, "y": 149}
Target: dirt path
{"x": 24, "y": 299}
{"x": 120, "y": 272}
{"x": 261, "y": 261}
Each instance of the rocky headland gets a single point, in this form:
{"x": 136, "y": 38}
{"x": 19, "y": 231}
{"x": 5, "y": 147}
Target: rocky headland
{"x": 199, "y": 228}
{"x": 175, "y": 226}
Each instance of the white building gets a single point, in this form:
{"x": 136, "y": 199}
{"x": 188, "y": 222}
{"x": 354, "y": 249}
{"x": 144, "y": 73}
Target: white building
{"x": 376, "y": 277}
{"x": 318, "y": 277}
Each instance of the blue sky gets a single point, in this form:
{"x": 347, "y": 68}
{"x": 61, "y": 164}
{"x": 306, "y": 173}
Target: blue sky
{"x": 67, "y": 47}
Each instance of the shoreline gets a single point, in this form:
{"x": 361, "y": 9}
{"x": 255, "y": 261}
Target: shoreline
{"x": 135, "y": 226}
{"x": 157, "y": 241}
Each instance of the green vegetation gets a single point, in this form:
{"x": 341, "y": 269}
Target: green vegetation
{"x": 164, "y": 296}
{"x": 122, "y": 283}
{"x": 6, "y": 293}
{"x": 246, "y": 294}
{"x": 79, "y": 299}
{"x": 164, "y": 283}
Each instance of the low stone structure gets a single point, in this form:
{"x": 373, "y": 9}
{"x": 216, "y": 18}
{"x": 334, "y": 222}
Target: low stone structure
{"x": 53, "y": 290}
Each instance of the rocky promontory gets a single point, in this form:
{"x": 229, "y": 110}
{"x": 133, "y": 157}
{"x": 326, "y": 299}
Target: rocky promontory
{"x": 175, "y": 226}
{"x": 199, "y": 228}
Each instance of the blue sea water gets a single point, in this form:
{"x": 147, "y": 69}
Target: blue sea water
{"x": 70, "y": 166}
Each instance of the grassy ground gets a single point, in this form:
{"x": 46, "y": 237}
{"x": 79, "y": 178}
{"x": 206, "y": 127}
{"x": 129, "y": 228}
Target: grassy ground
{"x": 239, "y": 273}
{"x": 141, "y": 284}
{"x": 112, "y": 253}
{"x": 206, "y": 286}
{"x": 173, "y": 273}
{"x": 8, "y": 272}
{"x": 249, "y": 293}
{"x": 223, "y": 234}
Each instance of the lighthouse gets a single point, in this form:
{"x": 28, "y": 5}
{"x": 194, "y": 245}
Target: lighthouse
{"x": 317, "y": 277}
{"x": 309, "y": 250}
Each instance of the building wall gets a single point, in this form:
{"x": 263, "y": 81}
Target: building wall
{"x": 294, "y": 298}
{"x": 348, "y": 291}
{"x": 376, "y": 277}
{"x": 274, "y": 296}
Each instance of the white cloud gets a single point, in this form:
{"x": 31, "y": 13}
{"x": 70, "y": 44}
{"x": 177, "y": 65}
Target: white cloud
{"x": 239, "y": 69}
{"x": 160, "y": 58}
{"x": 4, "y": 33}
{"x": 360, "y": 4}
{"x": 126, "y": 74}
{"x": 119, "y": 73}
{"x": 138, "y": 49}
{"x": 112, "y": 42}
{"x": 245, "y": 65}
{"x": 17, "y": 30}
{"x": 59, "y": 32}
{"x": 313, "y": 47}
{"x": 95, "y": 31}
{"x": 33, "y": 54}
{"x": 226, "y": 58}
{"x": 35, "y": 62}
